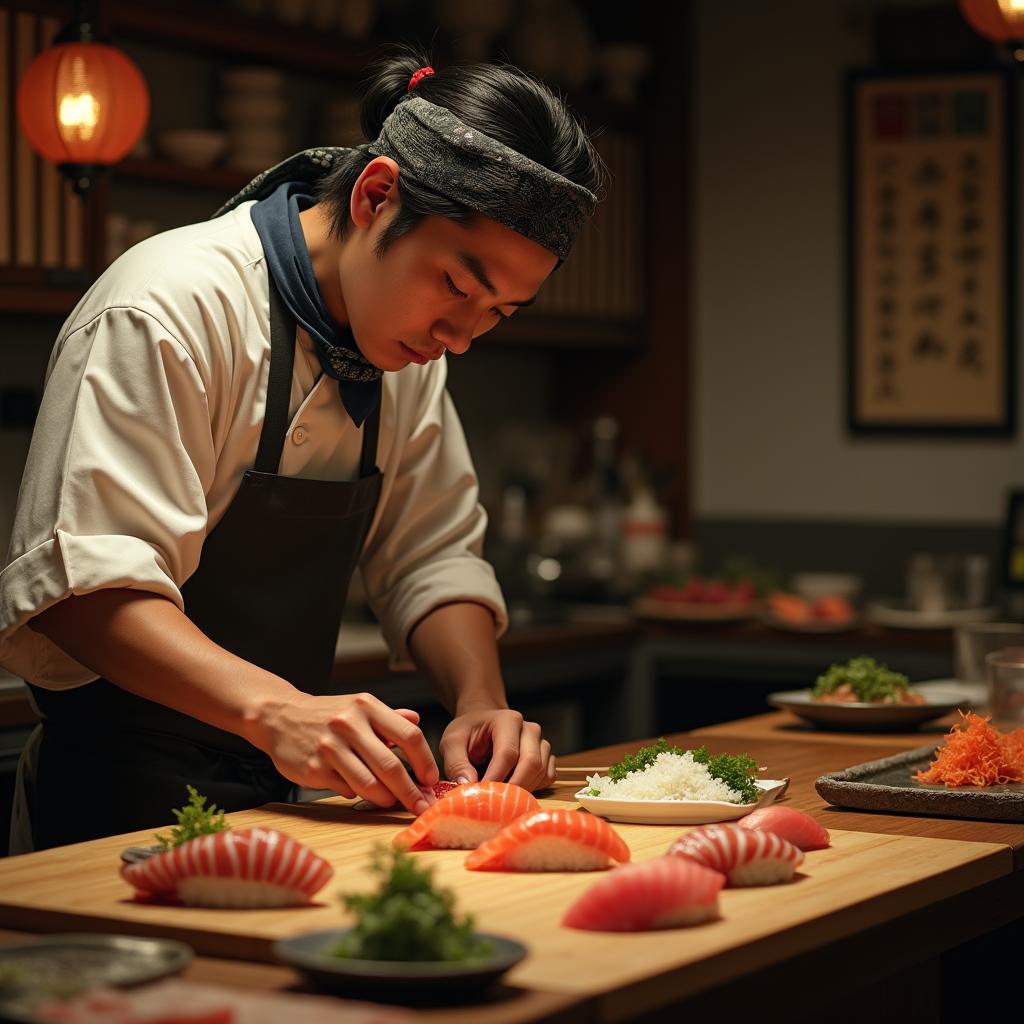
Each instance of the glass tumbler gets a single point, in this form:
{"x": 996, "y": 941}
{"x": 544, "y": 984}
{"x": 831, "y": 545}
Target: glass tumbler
{"x": 1006, "y": 686}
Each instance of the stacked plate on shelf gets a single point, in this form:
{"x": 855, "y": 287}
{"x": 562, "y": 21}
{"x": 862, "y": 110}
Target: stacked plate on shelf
{"x": 254, "y": 108}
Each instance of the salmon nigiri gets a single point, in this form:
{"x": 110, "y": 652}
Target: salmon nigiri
{"x": 662, "y": 893}
{"x": 556, "y": 840}
{"x": 466, "y": 816}
{"x": 243, "y": 867}
{"x": 795, "y": 826}
{"x": 744, "y": 855}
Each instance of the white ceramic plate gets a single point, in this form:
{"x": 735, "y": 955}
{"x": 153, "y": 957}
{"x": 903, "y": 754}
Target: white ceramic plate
{"x": 941, "y": 697}
{"x": 678, "y": 812}
{"x": 899, "y": 615}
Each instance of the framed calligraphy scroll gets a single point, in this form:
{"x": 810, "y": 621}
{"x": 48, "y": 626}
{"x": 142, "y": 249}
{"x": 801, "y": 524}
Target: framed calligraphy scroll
{"x": 930, "y": 236}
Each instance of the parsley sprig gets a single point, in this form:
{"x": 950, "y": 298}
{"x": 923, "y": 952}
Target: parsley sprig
{"x": 870, "y": 680}
{"x": 194, "y": 819}
{"x": 407, "y": 918}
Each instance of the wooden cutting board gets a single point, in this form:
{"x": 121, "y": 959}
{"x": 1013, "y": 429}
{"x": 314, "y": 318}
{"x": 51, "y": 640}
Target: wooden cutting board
{"x": 861, "y": 881}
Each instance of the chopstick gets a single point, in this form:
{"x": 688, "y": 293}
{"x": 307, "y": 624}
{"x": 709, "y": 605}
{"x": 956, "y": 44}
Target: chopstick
{"x": 573, "y": 769}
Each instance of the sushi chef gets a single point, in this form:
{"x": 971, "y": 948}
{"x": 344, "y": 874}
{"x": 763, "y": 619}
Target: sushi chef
{"x": 241, "y": 412}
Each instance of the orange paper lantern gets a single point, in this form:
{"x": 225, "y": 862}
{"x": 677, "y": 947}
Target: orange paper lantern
{"x": 1002, "y": 21}
{"x": 82, "y": 105}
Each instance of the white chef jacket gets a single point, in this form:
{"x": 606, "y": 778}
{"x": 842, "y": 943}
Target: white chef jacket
{"x": 151, "y": 415}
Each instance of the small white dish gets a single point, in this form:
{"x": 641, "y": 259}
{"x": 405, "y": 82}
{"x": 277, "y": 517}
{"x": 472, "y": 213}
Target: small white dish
{"x": 678, "y": 812}
{"x": 899, "y": 615}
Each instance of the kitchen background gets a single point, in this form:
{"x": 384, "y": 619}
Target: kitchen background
{"x": 676, "y": 402}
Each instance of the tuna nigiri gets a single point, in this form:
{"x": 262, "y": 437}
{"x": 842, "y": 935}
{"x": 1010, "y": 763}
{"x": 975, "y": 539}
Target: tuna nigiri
{"x": 792, "y": 825}
{"x": 467, "y": 815}
{"x": 245, "y": 867}
{"x": 662, "y": 893}
{"x": 744, "y": 856}
{"x": 556, "y": 840}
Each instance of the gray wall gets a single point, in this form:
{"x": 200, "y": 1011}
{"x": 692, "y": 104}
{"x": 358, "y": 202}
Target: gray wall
{"x": 770, "y": 439}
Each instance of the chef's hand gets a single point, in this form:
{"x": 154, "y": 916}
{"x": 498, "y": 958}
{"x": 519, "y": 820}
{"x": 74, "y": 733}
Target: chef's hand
{"x": 344, "y": 743}
{"x": 515, "y": 746}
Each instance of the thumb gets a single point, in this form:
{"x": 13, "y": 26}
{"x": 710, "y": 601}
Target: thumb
{"x": 409, "y": 714}
{"x": 455, "y": 753}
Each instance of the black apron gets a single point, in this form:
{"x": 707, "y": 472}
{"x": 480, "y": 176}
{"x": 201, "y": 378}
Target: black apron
{"x": 270, "y": 587}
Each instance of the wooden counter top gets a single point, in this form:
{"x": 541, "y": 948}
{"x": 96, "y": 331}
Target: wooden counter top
{"x": 923, "y": 882}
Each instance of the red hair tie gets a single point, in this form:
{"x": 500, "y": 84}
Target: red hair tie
{"x": 418, "y": 76}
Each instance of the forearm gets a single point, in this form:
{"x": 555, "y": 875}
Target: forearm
{"x": 143, "y": 643}
{"x": 455, "y": 647}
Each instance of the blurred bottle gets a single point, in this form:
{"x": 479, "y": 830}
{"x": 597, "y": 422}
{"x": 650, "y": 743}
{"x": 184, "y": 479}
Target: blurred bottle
{"x": 607, "y": 503}
{"x": 644, "y": 530}
{"x": 509, "y": 551}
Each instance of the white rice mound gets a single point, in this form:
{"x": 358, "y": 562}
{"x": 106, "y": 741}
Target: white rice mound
{"x": 669, "y": 777}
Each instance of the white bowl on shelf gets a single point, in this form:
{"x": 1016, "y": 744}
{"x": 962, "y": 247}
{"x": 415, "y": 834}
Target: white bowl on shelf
{"x": 255, "y": 109}
{"x": 253, "y": 79}
{"x": 192, "y": 147}
{"x": 254, "y": 162}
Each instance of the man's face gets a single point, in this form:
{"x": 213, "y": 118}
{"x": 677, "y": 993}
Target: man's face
{"x": 437, "y": 287}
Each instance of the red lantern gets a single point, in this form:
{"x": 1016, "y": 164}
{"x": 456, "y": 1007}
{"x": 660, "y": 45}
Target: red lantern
{"x": 82, "y": 104}
{"x": 1002, "y": 21}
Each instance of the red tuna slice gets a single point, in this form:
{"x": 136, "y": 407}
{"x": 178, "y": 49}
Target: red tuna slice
{"x": 665, "y": 892}
{"x": 794, "y": 826}
{"x": 255, "y": 867}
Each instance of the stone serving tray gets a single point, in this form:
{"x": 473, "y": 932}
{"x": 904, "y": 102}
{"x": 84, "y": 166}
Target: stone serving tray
{"x": 888, "y": 785}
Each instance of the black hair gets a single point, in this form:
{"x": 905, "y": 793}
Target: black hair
{"x": 497, "y": 99}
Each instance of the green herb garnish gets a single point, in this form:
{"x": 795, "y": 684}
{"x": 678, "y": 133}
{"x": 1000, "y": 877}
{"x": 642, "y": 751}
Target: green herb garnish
{"x": 407, "y": 918}
{"x": 735, "y": 770}
{"x": 870, "y": 680}
{"x": 643, "y": 758}
{"x": 194, "y": 819}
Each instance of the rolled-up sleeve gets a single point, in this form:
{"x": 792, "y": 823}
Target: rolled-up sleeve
{"x": 114, "y": 489}
{"x": 425, "y": 547}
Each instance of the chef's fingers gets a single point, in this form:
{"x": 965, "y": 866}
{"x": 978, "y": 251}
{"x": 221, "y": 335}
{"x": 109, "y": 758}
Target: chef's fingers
{"x": 551, "y": 769}
{"x": 400, "y": 732}
{"x": 366, "y": 712}
{"x": 455, "y": 753}
{"x": 377, "y": 775}
{"x": 506, "y": 730}
{"x": 321, "y": 775}
{"x": 410, "y": 715}
{"x": 533, "y": 758}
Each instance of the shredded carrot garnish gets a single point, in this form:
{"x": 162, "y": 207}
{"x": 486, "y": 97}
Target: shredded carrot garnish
{"x": 976, "y": 754}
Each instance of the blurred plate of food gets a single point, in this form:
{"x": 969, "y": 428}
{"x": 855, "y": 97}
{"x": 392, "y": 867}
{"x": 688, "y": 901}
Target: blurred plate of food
{"x": 863, "y": 694}
{"x": 829, "y": 613}
{"x": 700, "y": 600}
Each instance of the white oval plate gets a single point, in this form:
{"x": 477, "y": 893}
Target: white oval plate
{"x": 678, "y": 812}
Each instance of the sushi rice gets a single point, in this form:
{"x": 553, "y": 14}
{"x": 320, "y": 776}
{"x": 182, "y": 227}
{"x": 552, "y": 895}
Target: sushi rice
{"x": 670, "y": 776}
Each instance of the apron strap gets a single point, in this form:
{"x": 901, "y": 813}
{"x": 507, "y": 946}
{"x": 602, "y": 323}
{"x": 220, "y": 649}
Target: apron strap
{"x": 279, "y": 389}
{"x": 371, "y": 428}
{"x": 279, "y": 384}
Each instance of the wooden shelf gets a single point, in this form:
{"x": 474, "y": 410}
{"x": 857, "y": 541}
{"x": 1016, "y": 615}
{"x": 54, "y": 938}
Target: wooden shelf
{"x": 547, "y": 331}
{"x": 39, "y": 300}
{"x": 164, "y": 172}
{"x": 203, "y": 27}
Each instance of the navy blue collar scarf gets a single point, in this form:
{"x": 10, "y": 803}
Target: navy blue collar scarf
{"x": 276, "y": 219}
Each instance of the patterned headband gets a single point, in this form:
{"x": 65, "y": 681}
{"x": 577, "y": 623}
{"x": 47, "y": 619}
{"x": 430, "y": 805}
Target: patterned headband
{"x": 432, "y": 146}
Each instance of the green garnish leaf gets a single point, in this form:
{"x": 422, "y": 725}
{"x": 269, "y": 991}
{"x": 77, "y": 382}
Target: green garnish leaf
{"x": 194, "y": 819}
{"x": 870, "y": 680}
{"x": 643, "y": 758}
{"x": 407, "y": 918}
{"x": 735, "y": 770}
